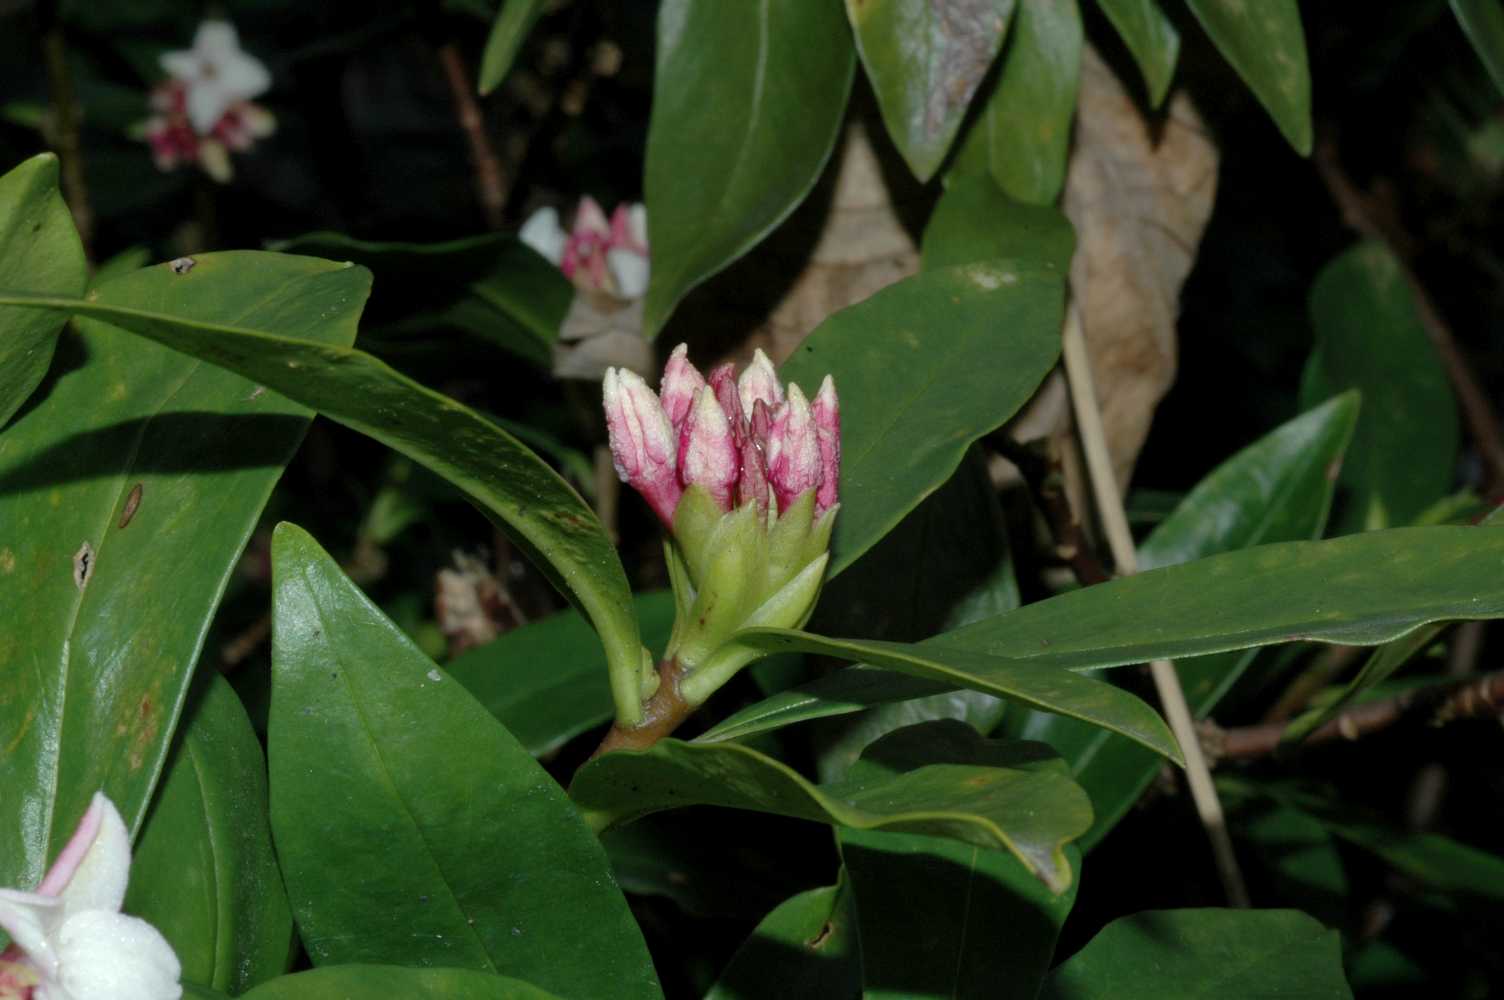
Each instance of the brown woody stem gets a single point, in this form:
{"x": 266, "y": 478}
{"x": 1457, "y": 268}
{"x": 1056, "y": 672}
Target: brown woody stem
{"x": 662, "y": 714}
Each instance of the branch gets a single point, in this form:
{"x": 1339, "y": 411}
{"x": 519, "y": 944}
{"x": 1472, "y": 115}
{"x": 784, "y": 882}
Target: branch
{"x": 489, "y": 185}
{"x": 1475, "y": 698}
{"x": 66, "y": 127}
{"x": 1045, "y": 479}
{"x": 1361, "y": 213}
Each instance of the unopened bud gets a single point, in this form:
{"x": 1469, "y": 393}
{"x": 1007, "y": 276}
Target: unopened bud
{"x": 826, "y": 411}
{"x": 722, "y": 381}
{"x": 759, "y": 381}
{"x": 708, "y": 456}
{"x": 681, "y": 381}
{"x": 643, "y": 448}
{"x": 793, "y": 450}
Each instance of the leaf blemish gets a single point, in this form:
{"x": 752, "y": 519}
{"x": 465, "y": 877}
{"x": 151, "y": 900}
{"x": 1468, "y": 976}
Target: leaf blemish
{"x": 132, "y": 502}
{"x": 83, "y": 565}
{"x": 819, "y": 939}
{"x": 181, "y": 265}
{"x": 7, "y": 560}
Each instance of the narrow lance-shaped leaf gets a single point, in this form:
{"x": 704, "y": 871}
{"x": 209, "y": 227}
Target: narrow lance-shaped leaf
{"x": 925, "y": 61}
{"x": 747, "y": 103}
{"x": 507, "y": 480}
{"x": 1266, "y": 44}
{"x": 938, "y": 778}
{"x": 508, "y": 32}
{"x": 484, "y": 863}
{"x": 1152, "y": 39}
{"x": 39, "y": 251}
{"x": 1483, "y": 23}
{"x": 1027, "y": 120}
{"x": 127, "y": 493}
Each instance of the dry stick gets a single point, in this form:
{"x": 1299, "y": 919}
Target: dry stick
{"x": 1473, "y": 698}
{"x": 1045, "y": 478}
{"x": 1166, "y": 681}
{"x": 1358, "y": 212}
{"x": 489, "y": 186}
{"x": 65, "y": 127}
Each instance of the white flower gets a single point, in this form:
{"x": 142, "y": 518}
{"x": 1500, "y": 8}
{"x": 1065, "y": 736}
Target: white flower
{"x": 70, "y": 937}
{"x": 543, "y": 233}
{"x": 217, "y": 73}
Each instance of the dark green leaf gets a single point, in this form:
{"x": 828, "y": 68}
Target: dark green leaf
{"x": 544, "y": 514}
{"x": 938, "y": 778}
{"x": 509, "y": 31}
{"x": 988, "y": 928}
{"x": 747, "y": 103}
{"x": 1215, "y": 954}
{"x": 203, "y": 871}
{"x": 925, "y": 61}
{"x": 1369, "y": 337}
{"x": 1039, "y": 686}
{"x": 1266, "y": 44}
{"x": 91, "y": 687}
{"x": 409, "y": 823}
{"x": 358, "y": 982}
{"x": 1277, "y": 489}
{"x": 974, "y": 220}
{"x": 1338, "y": 591}
{"x": 1483, "y": 23}
{"x": 1151, "y": 38}
{"x": 39, "y": 252}
{"x": 924, "y": 368}
{"x": 546, "y": 682}
{"x": 806, "y": 948}
{"x": 1027, "y": 120}
{"x": 492, "y": 287}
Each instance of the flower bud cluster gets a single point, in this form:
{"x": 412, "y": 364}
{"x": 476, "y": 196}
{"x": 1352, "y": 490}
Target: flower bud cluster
{"x": 596, "y": 253}
{"x": 745, "y": 474}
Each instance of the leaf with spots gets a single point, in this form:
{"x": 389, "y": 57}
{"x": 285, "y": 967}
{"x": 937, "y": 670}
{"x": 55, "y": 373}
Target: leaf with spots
{"x": 91, "y": 687}
{"x": 381, "y": 762}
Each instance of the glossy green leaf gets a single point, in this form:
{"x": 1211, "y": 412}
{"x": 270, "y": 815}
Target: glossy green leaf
{"x": 203, "y": 871}
{"x": 1266, "y": 44}
{"x": 543, "y": 514}
{"x": 1027, "y": 119}
{"x": 91, "y": 688}
{"x": 546, "y": 681}
{"x": 947, "y": 564}
{"x": 988, "y": 929}
{"x": 1211, "y": 954}
{"x": 925, "y": 62}
{"x": 1369, "y": 337}
{"x": 1337, "y": 591}
{"x": 397, "y": 843}
{"x": 924, "y": 368}
{"x": 39, "y": 251}
{"x": 1038, "y": 686}
{"x": 938, "y": 778}
{"x": 1150, "y": 37}
{"x": 975, "y": 220}
{"x": 508, "y": 32}
{"x": 492, "y": 287}
{"x": 1483, "y": 23}
{"x": 1277, "y": 489}
{"x": 807, "y": 947}
{"x": 748, "y": 100}
{"x": 359, "y": 982}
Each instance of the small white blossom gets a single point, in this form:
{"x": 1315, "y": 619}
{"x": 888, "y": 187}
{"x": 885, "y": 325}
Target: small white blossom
{"x": 217, "y": 73}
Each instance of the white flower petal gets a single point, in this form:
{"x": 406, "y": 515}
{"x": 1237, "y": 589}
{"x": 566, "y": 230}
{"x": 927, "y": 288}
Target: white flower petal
{"x": 100, "y": 879}
{"x": 243, "y": 76}
{"x": 629, "y": 270}
{"x": 207, "y": 103}
{"x": 543, "y": 233}
{"x": 109, "y": 955}
{"x": 637, "y": 217}
{"x": 184, "y": 64}
{"x": 30, "y": 919}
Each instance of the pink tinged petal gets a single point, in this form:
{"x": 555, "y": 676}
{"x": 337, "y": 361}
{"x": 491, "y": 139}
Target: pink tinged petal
{"x": 543, "y": 233}
{"x": 31, "y": 920}
{"x": 106, "y": 954}
{"x": 681, "y": 381}
{"x": 73, "y": 852}
{"x": 629, "y": 228}
{"x": 643, "y": 446}
{"x": 826, "y": 410}
{"x": 752, "y": 487}
{"x": 759, "y": 381}
{"x": 95, "y": 881}
{"x": 722, "y": 381}
{"x": 258, "y": 121}
{"x": 793, "y": 450}
{"x": 590, "y": 220}
{"x": 708, "y": 455}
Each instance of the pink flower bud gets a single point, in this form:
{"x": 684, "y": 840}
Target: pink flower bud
{"x": 826, "y": 411}
{"x": 723, "y": 383}
{"x": 759, "y": 381}
{"x": 708, "y": 455}
{"x": 681, "y": 381}
{"x": 793, "y": 450}
{"x": 629, "y": 228}
{"x": 643, "y": 448}
{"x": 753, "y": 485}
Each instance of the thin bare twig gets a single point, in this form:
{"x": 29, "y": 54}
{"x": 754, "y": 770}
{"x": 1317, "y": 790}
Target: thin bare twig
{"x": 490, "y": 187}
{"x": 1359, "y": 212}
{"x": 1120, "y": 539}
{"x": 1474, "y": 698}
{"x": 1044, "y": 476}
{"x": 66, "y": 128}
